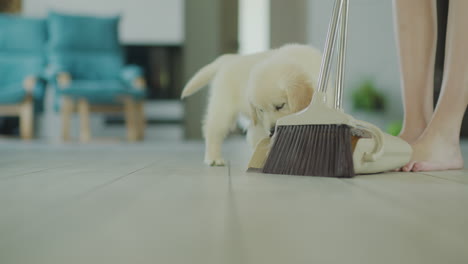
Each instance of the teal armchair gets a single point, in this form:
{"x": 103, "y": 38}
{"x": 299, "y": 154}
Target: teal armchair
{"x": 87, "y": 72}
{"x": 22, "y": 61}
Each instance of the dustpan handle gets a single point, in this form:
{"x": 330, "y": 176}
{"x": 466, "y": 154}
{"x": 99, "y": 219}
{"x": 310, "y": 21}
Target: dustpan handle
{"x": 378, "y": 137}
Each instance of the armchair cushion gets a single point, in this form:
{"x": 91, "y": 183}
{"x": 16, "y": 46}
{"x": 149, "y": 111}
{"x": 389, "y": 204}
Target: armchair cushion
{"x": 20, "y": 34}
{"x": 104, "y": 91}
{"x": 88, "y": 65}
{"x": 74, "y": 32}
{"x": 15, "y": 67}
{"x": 87, "y": 47}
{"x": 12, "y": 94}
{"x": 22, "y": 45}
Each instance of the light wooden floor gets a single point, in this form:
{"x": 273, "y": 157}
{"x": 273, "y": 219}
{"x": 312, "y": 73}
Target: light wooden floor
{"x": 157, "y": 203}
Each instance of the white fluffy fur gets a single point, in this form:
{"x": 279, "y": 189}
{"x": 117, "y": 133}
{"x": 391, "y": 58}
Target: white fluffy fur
{"x": 257, "y": 86}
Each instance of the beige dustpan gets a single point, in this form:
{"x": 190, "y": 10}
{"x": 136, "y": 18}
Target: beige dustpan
{"x": 396, "y": 153}
{"x": 259, "y": 156}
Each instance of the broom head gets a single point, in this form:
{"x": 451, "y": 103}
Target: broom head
{"x": 313, "y": 142}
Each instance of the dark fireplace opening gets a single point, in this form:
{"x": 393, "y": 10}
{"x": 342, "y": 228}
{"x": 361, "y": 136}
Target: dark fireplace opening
{"x": 162, "y": 66}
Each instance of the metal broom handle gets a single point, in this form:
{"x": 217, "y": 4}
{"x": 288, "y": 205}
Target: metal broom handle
{"x": 340, "y": 9}
{"x": 342, "y": 55}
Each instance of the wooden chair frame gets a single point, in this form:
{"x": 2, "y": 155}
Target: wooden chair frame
{"x": 133, "y": 111}
{"x": 24, "y": 110}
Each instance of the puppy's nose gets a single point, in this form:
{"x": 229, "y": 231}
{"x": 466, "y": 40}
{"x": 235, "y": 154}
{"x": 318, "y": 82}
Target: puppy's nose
{"x": 272, "y": 131}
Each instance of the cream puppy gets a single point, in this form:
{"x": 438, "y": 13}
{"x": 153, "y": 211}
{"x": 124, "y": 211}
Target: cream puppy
{"x": 263, "y": 86}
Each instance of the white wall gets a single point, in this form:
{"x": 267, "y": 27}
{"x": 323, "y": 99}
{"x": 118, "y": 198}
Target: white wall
{"x": 254, "y": 28}
{"x": 371, "y": 52}
{"x": 143, "y": 21}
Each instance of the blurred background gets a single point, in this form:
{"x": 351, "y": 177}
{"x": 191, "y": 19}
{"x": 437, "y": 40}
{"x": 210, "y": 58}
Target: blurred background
{"x": 171, "y": 39}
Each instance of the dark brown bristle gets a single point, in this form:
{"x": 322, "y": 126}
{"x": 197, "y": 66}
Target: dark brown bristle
{"x": 311, "y": 150}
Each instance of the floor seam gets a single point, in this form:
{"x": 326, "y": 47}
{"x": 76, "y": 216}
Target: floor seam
{"x": 105, "y": 184}
{"x": 32, "y": 172}
{"x": 442, "y": 178}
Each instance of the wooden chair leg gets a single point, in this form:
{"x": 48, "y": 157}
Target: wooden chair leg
{"x": 130, "y": 119}
{"x": 83, "y": 110}
{"x": 141, "y": 120}
{"x": 66, "y": 112}
{"x": 27, "y": 119}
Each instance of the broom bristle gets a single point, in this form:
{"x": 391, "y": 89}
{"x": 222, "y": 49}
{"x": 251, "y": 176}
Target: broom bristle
{"x": 311, "y": 150}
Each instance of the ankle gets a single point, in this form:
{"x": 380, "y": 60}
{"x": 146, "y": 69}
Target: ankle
{"x": 411, "y": 133}
{"x": 408, "y": 137}
{"x": 445, "y": 135}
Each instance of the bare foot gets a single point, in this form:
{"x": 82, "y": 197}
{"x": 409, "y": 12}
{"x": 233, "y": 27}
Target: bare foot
{"x": 410, "y": 136}
{"x": 435, "y": 153}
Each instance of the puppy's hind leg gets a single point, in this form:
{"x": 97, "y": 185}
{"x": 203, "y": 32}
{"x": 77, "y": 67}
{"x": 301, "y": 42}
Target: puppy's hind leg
{"x": 218, "y": 123}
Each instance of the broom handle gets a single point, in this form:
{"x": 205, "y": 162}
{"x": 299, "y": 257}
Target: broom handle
{"x": 342, "y": 44}
{"x": 329, "y": 46}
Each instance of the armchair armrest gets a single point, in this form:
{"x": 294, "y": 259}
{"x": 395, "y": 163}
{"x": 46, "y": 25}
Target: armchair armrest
{"x": 29, "y": 83}
{"x": 63, "y": 79}
{"x": 133, "y": 76}
{"x": 57, "y": 76}
{"x": 34, "y": 85}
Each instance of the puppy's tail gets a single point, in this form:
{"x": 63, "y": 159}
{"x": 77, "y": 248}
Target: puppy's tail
{"x": 204, "y": 76}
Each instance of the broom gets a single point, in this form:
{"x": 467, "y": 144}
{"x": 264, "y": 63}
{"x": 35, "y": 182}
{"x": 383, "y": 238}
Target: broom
{"x": 317, "y": 140}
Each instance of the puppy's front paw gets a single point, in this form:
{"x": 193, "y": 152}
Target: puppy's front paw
{"x": 215, "y": 162}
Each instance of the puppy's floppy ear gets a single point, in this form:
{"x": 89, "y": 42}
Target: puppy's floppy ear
{"x": 253, "y": 114}
{"x": 299, "y": 92}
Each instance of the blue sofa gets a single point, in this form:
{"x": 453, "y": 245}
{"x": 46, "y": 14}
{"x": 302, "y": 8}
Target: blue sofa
{"x": 22, "y": 61}
{"x": 87, "y": 72}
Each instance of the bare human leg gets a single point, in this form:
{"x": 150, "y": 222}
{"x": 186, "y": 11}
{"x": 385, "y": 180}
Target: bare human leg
{"x": 439, "y": 146}
{"x": 416, "y": 28}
